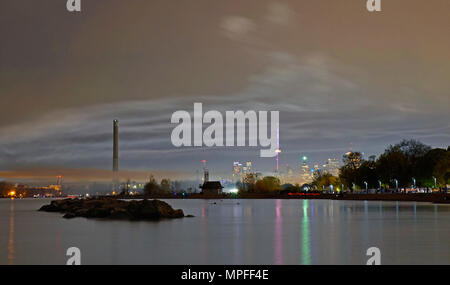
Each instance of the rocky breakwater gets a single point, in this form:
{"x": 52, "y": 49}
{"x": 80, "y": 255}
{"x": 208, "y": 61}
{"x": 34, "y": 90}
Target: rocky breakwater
{"x": 108, "y": 208}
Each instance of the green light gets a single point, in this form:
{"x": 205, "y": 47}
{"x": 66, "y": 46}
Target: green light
{"x": 305, "y": 230}
{"x": 305, "y": 158}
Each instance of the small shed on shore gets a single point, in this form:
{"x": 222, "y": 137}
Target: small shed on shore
{"x": 212, "y": 188}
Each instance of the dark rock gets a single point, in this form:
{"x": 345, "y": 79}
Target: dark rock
{"x": 177, "y": 214}
{"x": 120, "y": 214}
{"x": 81, "y": 212}
{"x": 49, "y": 208}
{"x": 113, "y": 209}
{"x": 69, "y": 216}
{"x": 189, "y": 216}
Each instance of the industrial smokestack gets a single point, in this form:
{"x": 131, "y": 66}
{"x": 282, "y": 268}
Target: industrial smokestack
{"x": 116, "y": 146}
{"x": 115, "y": 155}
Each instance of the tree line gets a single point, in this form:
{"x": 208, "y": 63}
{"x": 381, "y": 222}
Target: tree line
{"x": 409, "y": 163}
{"x": 166, "y": 186}
{"x": 252, "y": 183}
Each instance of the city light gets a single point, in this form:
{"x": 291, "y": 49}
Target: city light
{"x": 234, "y": 190}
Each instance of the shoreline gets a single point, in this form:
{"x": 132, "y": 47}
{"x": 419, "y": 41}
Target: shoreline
{"x": 436, "y": 198}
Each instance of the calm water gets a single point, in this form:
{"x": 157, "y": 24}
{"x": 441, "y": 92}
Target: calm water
{"x": 234, "y": 232}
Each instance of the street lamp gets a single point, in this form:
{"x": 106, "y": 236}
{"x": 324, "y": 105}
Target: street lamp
{"x": 379, "y": 182}
{"x": 396, "y": 184}
{"x": 342, "y": 188}
{"x": 414, "y": 182}
{"x": 366, "y": 186}
{"x": 434, "y": 178}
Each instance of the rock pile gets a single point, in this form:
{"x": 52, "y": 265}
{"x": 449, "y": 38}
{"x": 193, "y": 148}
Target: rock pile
{"x": 113, "y": 209}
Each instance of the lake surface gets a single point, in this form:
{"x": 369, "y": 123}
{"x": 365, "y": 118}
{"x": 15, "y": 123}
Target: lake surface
{"x": 234, "y": 232}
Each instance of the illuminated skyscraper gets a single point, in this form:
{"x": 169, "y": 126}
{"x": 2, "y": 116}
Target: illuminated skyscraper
{"x": 305, "y": 171}
{"x": 332, "y": 166}
{"x": 316, "y": 171}
{"x": 237, "y": 171}
{"x": 248, "y": 167}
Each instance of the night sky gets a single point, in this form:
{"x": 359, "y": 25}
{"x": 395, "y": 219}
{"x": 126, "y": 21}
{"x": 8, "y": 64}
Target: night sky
{"x": 337, "y": 74}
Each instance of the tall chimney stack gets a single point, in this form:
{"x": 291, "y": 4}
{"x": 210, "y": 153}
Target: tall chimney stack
{"x": 116, "y": 145}
{"x": 115, "y": 155}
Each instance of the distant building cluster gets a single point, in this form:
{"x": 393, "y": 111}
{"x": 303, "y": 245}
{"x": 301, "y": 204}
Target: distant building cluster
{"x": 304, "y": 173}
{"x": 240, "y": 170}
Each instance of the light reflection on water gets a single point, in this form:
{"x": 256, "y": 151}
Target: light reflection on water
{"x": 278, "y": 246}
{"x": 234, "y": 232}
{"x": 306, "y": 246}
{"x": 11, "y": 250}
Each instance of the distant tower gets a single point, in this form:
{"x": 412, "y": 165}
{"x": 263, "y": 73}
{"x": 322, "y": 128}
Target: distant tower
{"x": 115, "y": 153}
{"x": 237, "y": 171}
{"x": 59, "y": 180}
{"x": 278, "y": 150}
{"x": 116, "y": 145}
{"x": 205, "y": 172}
{"x": 204, "y": 164}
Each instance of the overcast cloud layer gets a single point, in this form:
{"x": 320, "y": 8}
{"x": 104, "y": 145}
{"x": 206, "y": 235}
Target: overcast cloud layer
{"x": 336, "y": 73}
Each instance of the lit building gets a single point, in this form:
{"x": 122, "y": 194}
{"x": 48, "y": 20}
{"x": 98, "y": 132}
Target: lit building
{"x": 237, "y": 171}
{"x": 332, "y": 166}
{"x": 316, "y": 171}
{"x": 247, "y": 168}
{"x": 305, "y": 172}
